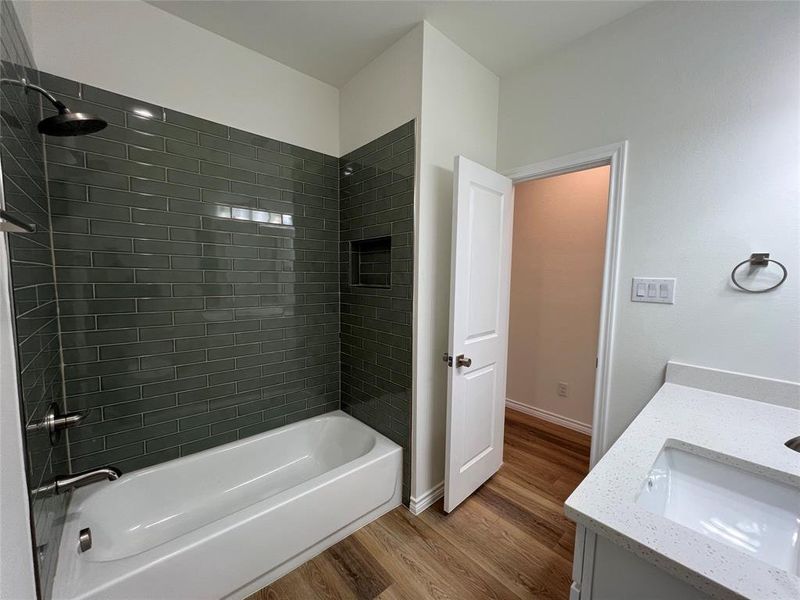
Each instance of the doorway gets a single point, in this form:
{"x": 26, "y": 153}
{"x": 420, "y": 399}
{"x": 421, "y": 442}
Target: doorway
{"x": 557, "y": 260}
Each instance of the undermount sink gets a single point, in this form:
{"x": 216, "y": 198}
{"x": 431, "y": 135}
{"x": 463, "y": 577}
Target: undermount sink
{"x": 749, "y": 512}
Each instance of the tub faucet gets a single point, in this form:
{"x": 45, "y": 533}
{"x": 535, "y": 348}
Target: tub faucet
{"x": 65, "y": 483}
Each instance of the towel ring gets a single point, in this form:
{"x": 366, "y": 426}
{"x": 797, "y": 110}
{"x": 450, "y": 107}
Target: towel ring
{"x": 760, "y": 259}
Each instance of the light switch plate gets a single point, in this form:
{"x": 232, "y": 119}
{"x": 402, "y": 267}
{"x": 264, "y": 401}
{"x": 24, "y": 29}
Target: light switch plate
{"x": 659, "y": 290}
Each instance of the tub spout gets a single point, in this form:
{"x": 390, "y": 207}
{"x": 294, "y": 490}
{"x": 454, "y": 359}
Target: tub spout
{"x": 65, "y": 483}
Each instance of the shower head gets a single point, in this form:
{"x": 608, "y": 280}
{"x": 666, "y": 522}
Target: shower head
{"x": 65, "y": 123}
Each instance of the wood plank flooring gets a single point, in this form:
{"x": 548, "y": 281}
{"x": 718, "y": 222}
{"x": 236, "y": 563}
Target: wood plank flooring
{"x": 509, "y": 540}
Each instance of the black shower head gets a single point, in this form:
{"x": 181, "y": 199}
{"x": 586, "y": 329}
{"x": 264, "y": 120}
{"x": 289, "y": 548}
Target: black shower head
{"x": 65, "y": 123}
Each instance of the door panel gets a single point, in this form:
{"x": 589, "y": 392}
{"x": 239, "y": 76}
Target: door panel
{"x": 480, "y": 284}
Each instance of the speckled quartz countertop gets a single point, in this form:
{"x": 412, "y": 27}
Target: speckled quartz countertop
{"x": 746, "y": 433}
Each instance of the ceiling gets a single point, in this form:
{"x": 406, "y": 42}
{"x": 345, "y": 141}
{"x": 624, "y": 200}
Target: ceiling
{"x": 333, "y": 40}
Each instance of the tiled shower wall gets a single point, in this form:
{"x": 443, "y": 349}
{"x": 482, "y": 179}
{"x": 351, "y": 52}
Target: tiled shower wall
{"x": 198, "y": 275}
{"x": 377, "y": 202}
{"x": 33, "y": 289}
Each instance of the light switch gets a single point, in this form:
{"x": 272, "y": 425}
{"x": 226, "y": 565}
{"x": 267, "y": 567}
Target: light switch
{"x": 653, "y": 289}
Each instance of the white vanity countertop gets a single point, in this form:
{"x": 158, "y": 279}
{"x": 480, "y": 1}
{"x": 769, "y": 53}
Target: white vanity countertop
{"x": 742, "y": 431}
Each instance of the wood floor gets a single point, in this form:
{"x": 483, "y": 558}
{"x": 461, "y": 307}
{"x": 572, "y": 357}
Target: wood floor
{"x": 508, "y": 540}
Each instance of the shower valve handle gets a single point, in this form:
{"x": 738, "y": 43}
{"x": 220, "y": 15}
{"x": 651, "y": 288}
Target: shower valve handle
{"x": 54, "y": 422}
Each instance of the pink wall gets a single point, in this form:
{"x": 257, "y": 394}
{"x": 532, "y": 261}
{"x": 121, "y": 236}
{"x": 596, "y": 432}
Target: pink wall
{"x": 556, "y": 284}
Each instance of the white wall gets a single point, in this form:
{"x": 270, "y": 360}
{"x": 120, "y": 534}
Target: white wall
{"x": 707, "y": 94}
{"x": 459, "y": 116}
{"x": 138, "y": 50}
{"x": 383, "y": 95}
{"x": 16, "y": 558}
{"x": 556, "y": 287}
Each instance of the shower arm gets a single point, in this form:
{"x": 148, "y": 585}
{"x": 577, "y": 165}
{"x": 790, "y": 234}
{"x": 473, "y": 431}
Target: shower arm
{"x": 24, "y": 83}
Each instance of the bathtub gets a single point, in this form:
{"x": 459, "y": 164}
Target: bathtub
{"x": 227, "y": 521}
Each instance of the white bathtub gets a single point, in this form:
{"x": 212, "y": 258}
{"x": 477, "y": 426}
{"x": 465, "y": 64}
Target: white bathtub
{"x": 225, "y": 522}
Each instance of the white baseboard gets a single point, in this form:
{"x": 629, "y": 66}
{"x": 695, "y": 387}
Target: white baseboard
{"x": 546, "y": 415}
{"x": 417, "y": 505}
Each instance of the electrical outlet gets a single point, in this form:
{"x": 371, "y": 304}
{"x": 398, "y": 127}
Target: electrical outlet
{"x": 563, "y": 389}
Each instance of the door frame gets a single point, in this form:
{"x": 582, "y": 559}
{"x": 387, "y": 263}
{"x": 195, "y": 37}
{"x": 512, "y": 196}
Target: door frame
{"x": 615, "y": 156}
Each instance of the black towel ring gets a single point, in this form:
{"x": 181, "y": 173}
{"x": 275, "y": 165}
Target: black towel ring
{"x": 760, "y": 259}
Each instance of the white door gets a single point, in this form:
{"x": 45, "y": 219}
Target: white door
{"x": 483, "y": 209}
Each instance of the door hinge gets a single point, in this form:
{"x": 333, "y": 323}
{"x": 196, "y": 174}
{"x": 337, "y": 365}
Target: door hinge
{"x": 448, "y": 358}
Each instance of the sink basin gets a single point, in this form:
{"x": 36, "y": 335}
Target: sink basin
{"x": 749, "y": 512}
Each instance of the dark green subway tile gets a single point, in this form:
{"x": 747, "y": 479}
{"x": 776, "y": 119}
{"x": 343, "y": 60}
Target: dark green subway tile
{"x": 232, "y": 199}
{"x": 89, "y": 210}
{"x": 160, "y": 128}
{"x": 207, "y": 341}
{"x": 173, "y": 332}
{"x": 88, "y": 143}
{"x": 140, "y": 434}
{"x": 129, "y": 199}
{"x": 79, "y": 370}
{"x": 97, "y": 400}
{"x": 168, "y": 304}
{"x": 199, "y": 208}
{"x": 137, "y": 290}
{"x": 120, "y": 102}
{"x": 65, "y": 156}
{"x": 168, "y": 276}
{"x": 173, "y": 359}
{"x": 147, "y": 460}
{"x": 252, "y": 139}
{"x": 206, "y": 443}
{"x": 133, "y": 320}
{"x": 199, "y": 235}
{"x": 174, "y": 413}
{"x": 191, "y": 122}
{"x": 138, "y": 349}
{"x": 203, "y": 289}
{"x": 163, "y": 159}
{"x": 67, "y": 191}
{"x": 206, "y": 393}
{"x": 176, "y": 385}
{"x": 198, "y": 181}
{"x": 97, "y": 338}
{"x": 161, "y": 188}
{"x": 89, "y": 275}
{"x": 132, "y": 230}
{"x": 85, "y": 306}
{"x": 206, "y": 367}
{"x": 129, "y": 136}
{"x": 107, "y": 457}
{"x": 110, "y": 382}
{"x": 64, "y": 224}
{"x": 158, "y": 217}
{"x": 233, "y": 147}
{"x": 182, "y": 437}
{"x": 124, "y": 167}
{"x": 139, "y": 406}
{"x": 84, "y": 176}
{"x": 224, "y": 172}
{"x": 158, "y": 247}
{"x": 145, "y": 261}
{"x": 198, "y": 152}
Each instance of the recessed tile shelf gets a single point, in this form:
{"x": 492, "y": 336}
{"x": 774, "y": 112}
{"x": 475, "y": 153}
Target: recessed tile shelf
{"x": 371, "y": 262}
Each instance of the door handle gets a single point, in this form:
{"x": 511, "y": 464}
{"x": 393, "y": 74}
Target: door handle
{"x": 463, "y": 361}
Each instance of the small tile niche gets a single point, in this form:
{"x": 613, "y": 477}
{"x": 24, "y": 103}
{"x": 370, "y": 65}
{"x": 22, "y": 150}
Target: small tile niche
{"x": 371, "y": 262}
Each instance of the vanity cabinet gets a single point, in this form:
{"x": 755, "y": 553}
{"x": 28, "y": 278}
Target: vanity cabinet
{"x": 602, "y": 570}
